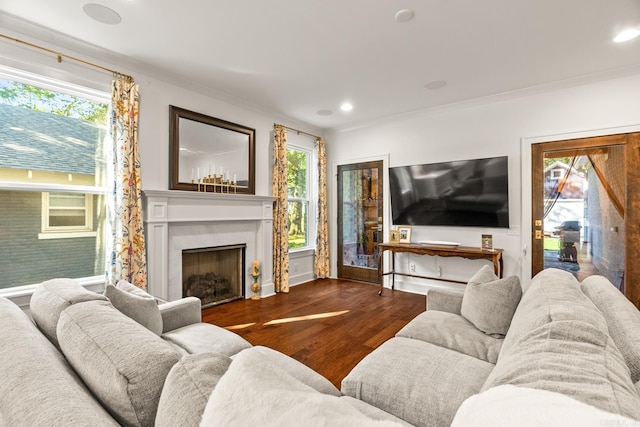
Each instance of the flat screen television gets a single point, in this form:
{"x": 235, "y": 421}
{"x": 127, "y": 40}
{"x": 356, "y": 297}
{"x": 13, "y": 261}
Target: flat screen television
{"x": 466, "y": 193}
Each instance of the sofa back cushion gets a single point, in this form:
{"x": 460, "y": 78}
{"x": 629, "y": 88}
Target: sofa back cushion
{"x": 37, "y": 386}
{"x": 122, "y": 362}
{"x": 571, "y": 357}
{"x": 622, "y": 317}
{"x": 552, "y": 295}
{"x": 52, "y": 297}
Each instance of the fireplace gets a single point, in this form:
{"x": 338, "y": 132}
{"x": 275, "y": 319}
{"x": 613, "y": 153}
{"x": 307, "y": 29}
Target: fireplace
{"x": 214, "y": 274}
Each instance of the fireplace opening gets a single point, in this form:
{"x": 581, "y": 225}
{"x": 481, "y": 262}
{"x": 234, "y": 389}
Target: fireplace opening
{"x": 215, "y": 274}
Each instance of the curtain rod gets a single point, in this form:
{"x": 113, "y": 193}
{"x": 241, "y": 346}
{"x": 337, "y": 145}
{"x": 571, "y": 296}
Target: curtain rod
{"x": 62, "y": 55}
{"x": 298, "y": 131}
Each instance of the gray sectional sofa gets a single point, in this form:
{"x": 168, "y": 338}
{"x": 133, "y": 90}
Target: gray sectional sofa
{"x": 561, "y": 338}
{"x": 558, "y": 353}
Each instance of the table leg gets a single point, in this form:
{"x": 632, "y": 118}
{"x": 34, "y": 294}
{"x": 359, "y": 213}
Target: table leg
{"x": 380, "y": 271}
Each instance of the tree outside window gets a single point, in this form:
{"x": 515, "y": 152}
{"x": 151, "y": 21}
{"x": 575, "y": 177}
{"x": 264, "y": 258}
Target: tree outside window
{"x": 298, "y": 197}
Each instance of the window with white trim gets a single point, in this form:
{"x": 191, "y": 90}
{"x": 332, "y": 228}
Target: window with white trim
{"x": 66, "y": 212}
{"x": 301, "y": 191}
{"x": 52, "y": 179}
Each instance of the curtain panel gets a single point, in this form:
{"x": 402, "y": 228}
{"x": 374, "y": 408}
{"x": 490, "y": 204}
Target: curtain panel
{"x": 280, "y": 217}
{"x": 125, "y": 243}
{"x": 321, "y": 261}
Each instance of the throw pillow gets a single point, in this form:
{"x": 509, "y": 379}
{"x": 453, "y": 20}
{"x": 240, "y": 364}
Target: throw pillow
{"x": 188, "y": 387}
{"x": 136, "y": 304}
{"x": 489, "y": 303}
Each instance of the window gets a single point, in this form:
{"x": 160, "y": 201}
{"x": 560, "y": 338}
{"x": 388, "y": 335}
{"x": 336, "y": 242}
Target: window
{"x": 52, "y": 175}
{"x": 299, "y": 193}
{"x": 557, "y": 173}
{"x": 66, "y": 215}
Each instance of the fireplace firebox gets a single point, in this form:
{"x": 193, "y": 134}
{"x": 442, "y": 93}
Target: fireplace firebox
{"x": 216, "y": 275}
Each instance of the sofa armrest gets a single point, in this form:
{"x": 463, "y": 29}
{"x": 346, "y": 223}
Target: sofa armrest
{"x": 179, "y": 313}
{"x": 444, "y": 300}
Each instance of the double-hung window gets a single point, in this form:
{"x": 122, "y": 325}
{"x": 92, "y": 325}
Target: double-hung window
{"x": 301, "y": 191}
{"x": 52, "y": 179}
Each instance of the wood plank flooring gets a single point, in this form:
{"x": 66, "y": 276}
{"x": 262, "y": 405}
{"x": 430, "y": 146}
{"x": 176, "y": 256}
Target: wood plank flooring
{"x": 329, "y": 325}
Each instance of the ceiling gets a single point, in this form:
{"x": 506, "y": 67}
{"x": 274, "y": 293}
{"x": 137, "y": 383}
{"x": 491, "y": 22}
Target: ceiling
{"x": 296, "y": 58}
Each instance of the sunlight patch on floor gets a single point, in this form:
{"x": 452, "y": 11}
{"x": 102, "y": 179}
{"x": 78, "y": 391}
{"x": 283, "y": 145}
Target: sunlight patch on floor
{"x": 307, "y": 317}
{"x": 236, "y": 327}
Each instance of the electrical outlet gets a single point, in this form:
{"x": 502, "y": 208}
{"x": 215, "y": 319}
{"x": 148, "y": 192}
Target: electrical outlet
{"x": 412, "y": 268}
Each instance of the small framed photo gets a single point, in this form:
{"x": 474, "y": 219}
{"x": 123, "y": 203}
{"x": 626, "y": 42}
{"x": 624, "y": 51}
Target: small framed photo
{"x": 405, "y": 234}
{"x": 487, "y": 242}
{"x": 394, "y": 236}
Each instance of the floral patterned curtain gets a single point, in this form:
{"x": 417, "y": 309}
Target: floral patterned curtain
{"x": 322, "y": 264}
{"x": 280, "y": 217}
{"x": 125, "y": 245}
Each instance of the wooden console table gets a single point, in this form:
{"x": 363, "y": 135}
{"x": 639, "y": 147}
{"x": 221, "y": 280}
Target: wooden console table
{"x": 495, "y": 256}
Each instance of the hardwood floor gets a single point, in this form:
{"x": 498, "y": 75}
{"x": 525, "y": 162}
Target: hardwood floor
{"x": 329, "y": 325}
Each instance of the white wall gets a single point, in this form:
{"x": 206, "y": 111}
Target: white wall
{"x": 500, "y": 126}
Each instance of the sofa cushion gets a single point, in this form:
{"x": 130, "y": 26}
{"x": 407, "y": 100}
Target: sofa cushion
{"x": 373, "y": 412}
{"x": 622, "y": 317}
{"x": 552, "y": 295}
{"x": 574, "y": 358}
{"x": 205, "y": 337}
{"x": 188, "y": 387}
{"x": 256, "y": 391}
{"x": 135, "y": 303}
{"x": 454, "y": 332}
{"x": 299, "y": 371}
{"x": 508, "y": 405}
{"x": 123, "y": 363}
{"x": 37, "y": 385}
{"x": 419, "y": 382}
{"x": 489, "y": 302}
{"x": 50, "y": 298}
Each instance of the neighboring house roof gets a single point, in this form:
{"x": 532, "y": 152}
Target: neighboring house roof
{"x": 35, "y": 140}
{"x": 558, "y": 164}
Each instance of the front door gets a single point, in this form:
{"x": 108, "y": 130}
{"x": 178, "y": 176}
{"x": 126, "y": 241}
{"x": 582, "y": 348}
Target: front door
{"x": 359, "y": 220}
{"x": 585, "y": 209}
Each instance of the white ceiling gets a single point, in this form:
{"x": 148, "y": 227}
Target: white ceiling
{"x": 296, "y": 57}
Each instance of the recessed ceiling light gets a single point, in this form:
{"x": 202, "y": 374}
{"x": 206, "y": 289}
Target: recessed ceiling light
{"x": 324, "y": 112}
{"x": 404, "y": 15}
{"x": 626, "y": 35}
{"x": 435, "y": 85}
{"x": 346, "y": 107}
{"x": 102, "y": 13}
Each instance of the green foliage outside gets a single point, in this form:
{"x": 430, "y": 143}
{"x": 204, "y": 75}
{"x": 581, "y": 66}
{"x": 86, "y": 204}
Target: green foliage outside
{"x": 297, "y": 188}
{"x": 39, "y": 99}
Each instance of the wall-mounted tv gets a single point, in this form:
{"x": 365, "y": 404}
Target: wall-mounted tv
{"x": 466, "y": 193}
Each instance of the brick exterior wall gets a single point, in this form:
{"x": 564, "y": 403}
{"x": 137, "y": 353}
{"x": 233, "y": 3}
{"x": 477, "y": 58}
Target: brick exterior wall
{"x": 25, "y": 259}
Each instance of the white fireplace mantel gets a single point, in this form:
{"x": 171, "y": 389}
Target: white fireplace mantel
{"x": 177, "y": 220}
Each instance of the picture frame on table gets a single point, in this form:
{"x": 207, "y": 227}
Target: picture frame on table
{"x": 405, "y": 234}
{"x": 394, "y": 236}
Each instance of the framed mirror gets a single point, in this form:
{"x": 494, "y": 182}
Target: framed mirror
{"x": 209, "y": 154}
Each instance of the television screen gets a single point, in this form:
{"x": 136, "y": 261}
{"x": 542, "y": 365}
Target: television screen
{"x": 470, "y": 193}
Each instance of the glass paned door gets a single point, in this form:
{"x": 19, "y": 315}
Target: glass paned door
{"x": 359, "y": 220}
{"x": 585, "y": 212}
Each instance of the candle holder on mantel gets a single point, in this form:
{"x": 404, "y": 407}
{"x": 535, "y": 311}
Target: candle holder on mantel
{"x": 255, "y": 273}
{"x": 217, "y": 183}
